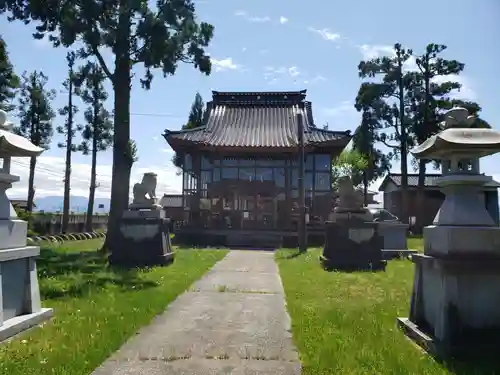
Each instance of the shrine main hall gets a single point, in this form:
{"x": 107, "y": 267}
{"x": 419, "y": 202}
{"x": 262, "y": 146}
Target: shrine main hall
{"x": 241, "y": 170}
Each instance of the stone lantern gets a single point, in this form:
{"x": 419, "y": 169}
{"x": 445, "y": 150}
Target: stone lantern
{"x": 20, "y": 306}
{"x": 455, "y": 303}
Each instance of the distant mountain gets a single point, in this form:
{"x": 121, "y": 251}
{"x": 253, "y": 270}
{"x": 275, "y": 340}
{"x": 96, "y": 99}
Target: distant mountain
{"x": 77, "y": 204}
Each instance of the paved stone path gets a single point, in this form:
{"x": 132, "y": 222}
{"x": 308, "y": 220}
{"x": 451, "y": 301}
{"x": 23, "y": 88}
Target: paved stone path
{"x": 232, "y": 321}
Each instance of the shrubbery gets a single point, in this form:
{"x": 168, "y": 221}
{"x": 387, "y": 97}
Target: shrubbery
{"x": 28, "y": 217}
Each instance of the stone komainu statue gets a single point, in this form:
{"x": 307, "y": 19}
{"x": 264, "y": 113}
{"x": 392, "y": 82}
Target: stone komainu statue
{"x": 348, "y": 196}
{"x": 145, "y": 191}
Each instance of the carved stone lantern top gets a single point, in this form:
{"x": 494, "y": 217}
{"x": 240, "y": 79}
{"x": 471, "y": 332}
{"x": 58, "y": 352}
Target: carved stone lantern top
{"x": 13, "y": 145}
{"x": 459, "y": 147}
{"x": 459, "y": 139}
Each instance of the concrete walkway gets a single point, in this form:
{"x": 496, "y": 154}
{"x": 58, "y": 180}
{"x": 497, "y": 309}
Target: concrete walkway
{"x": 232, "y": 321}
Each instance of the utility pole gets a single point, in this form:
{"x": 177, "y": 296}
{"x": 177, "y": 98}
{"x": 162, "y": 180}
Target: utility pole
{"x": 302, "y": 206}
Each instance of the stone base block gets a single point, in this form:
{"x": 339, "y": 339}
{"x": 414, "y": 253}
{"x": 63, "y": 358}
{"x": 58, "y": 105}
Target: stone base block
{"x": 352, "y": 244}
{"x": 443, "y": 350}
{"x": 24, "y": 322}
{"x": 13, "y": 233}
{"x": 459, "y": 240}
{"x": 394, "y": 235}
{"x": 143, "y": 240}
{"x": 144, "y": 214}
{"x": 20, "y": 306}
{"x": 455, "y": 303}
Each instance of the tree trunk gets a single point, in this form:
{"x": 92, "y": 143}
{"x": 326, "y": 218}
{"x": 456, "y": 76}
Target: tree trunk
{"x": 31, "y": 187}
{"x": 422, "y": 163}
{"x": 419, "y": 219}
{"x": 90, "y": 207}
{"x": 67, "y": 172}
{"x": 404, "y": 148}
{"x": 365, "y": 188}
{"x": 122, "y": 162}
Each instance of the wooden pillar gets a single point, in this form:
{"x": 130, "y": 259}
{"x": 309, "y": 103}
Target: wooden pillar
{"x": 197, "y": 176}
{"x": 287, "y": 223}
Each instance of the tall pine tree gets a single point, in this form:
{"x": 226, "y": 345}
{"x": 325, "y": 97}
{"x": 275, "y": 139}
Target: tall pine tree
{"x": 196, "y": 118}
{"x": 68, "y": 131}
{"x": 97, "y": 133}
{"x": 9, "y": 81}
{"x": 389, "y": 95}
{"x": 36, "y": 115}
{"x": 364, "y": 142}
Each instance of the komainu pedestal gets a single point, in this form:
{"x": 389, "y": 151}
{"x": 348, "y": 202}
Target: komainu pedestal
{"x": 352, "y": 244}
{"x": 455, "y": 304}
{"x": 351, "y": 237}
{"x": 143, "y": 239}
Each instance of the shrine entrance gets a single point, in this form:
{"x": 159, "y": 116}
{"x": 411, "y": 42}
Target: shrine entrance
{"x": 246, "y": 204}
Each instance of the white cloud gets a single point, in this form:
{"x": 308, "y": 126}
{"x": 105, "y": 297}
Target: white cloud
{"x": 244, "y": 14}
{"x": 293, "y": 71}
{"x": 466, "y": 92}
{"x": 326, "y": 34}
{"x": 259, "y": 19}
{"x": 373, "y": 51}
{"x": 225, "y": 64}
{"x": 283, "y": 20}
{"x": 42, "y": 43}
{"x": 49, "y": 175}
{"x": 318, "y": 78}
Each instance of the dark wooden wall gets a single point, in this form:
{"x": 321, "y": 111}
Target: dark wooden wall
{"x": 433, "y": 201}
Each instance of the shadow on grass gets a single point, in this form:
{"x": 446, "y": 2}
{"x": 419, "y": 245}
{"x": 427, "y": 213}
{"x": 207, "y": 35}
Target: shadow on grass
{"x": 293, "y": 255}
{"x": 472, "y": 365}
{"x": 77, "y": 274}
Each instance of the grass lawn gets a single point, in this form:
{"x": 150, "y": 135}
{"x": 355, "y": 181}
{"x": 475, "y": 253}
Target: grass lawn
{"x": 416, "y": 243}
{"x": 96, "y": 309}
{"x": 345, "y": 323}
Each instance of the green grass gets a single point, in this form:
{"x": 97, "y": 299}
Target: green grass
{"x": 416, "y": 243}
{"x": 345, "y": 323}
{"x": 96, "y": 308}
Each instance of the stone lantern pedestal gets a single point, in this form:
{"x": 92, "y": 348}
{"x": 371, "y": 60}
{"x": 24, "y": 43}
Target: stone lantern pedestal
{"x": 20, "y": 306}
{"x": 455, "y": 304}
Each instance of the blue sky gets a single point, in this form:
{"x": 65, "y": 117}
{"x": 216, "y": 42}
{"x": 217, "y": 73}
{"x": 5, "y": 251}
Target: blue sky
{"x": 277, "y": 45}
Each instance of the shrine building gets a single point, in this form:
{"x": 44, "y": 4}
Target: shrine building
{"x": 241, "y": 171}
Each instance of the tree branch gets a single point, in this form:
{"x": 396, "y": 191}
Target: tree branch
{"x": 146, "y": 42}
{"x": 388, "y": 145}
{"x": 104, "y": 67}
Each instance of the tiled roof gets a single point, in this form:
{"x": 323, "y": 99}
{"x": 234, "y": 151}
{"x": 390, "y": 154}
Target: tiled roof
{"x": 430, "y": 180}
{"x": 257, "y": 119}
